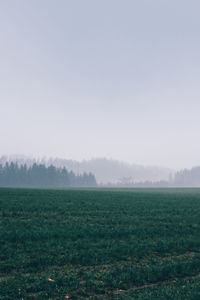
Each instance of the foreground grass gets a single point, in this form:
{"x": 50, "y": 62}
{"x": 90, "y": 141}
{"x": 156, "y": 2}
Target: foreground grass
{"x": 99, "y": 244}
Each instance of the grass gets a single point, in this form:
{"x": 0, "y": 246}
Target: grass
{"x": 100, "y": 244}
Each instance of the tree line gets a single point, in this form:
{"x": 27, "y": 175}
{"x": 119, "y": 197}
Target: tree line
{"x": 14, "y": 175}
{"x": 188, "y": 177}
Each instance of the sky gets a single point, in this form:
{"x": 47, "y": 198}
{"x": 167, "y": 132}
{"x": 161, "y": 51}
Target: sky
{"x": 110, "y": 78}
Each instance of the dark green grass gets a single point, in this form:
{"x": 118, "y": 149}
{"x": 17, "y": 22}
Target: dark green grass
{"x": 99, "y": 244}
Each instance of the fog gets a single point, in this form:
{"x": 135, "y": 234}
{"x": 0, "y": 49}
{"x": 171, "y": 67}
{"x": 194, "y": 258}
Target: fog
{"x": 116, "y": 79}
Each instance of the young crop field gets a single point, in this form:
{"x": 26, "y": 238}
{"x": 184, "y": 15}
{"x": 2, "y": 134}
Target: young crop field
{"x": 100, "y": 244}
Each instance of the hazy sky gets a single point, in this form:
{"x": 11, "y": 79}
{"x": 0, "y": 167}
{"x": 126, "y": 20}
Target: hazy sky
{"x": 101, "y": 78}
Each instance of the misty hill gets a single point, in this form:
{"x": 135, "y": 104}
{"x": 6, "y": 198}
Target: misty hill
{"x": 105, "y": 170}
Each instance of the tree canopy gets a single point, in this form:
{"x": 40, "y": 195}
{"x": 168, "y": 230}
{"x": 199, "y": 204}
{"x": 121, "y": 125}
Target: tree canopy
{"x": 12, "y": 174}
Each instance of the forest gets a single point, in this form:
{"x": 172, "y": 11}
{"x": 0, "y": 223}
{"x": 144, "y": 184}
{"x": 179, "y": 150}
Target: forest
{"x": 13, "y": 175}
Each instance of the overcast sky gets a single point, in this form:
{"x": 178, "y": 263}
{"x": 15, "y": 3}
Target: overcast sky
{"x": 101, "y": 78}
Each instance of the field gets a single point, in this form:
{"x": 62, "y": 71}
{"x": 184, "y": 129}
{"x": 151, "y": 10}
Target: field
{"x": 100, "y": 244}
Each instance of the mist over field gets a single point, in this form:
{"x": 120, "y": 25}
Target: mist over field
{"x": 105, "y": 170}
{"x": 92, "y": 79}
{"x": 57, "y": 172}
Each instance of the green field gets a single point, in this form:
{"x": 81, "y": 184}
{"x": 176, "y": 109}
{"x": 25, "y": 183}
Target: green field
{"x": 100, "y": 244}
